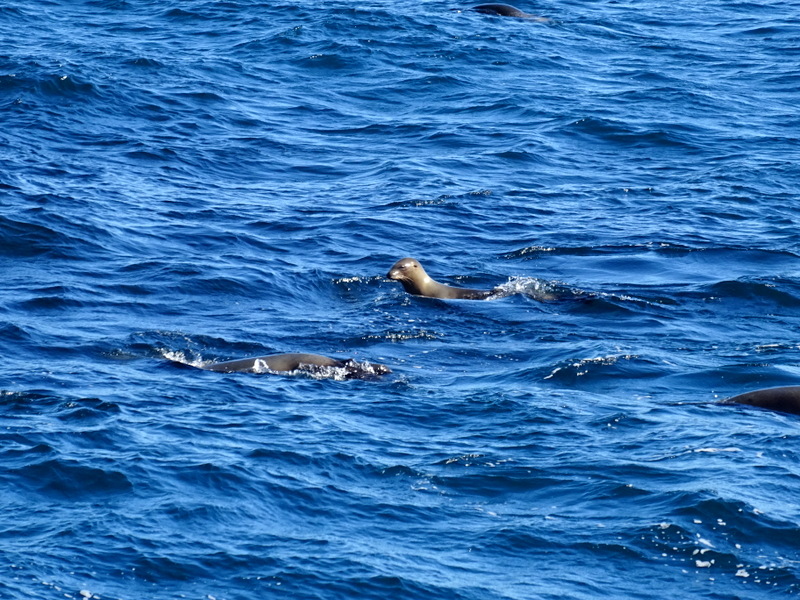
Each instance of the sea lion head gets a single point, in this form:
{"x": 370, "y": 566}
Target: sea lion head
{"x": 405, "y": 269}
{"x": 410, "y": 273}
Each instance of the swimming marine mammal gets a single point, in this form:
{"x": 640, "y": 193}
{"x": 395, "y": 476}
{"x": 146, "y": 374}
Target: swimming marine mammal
{"x": 416, "y": 281}
{"x": 505, "y": 10}
{"x": 782, "y": 399}
{"x": 299, "y": 361}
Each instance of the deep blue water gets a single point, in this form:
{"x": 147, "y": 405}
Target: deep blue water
{"x": 184, "y": 182}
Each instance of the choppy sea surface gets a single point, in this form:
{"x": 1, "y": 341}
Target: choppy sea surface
{"x": 197, "y": 181}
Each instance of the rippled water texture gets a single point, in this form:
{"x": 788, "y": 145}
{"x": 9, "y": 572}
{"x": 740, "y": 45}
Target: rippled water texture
{"x": 197, "y": 181}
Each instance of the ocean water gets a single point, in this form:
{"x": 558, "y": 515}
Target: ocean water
{"x": 196, "y": 181}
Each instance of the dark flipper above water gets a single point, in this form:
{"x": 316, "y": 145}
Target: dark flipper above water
{"x": 782, "y": 399}
{"x": 505, "y": 10}
{"x": 346, "y": 368}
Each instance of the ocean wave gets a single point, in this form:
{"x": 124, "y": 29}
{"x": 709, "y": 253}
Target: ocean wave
{"x": 186, "y": 184}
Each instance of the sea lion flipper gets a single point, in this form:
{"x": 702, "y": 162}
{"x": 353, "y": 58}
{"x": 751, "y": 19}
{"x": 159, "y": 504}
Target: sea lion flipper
{"x": 505, "y": 10}
{"x": 782, "y": 399}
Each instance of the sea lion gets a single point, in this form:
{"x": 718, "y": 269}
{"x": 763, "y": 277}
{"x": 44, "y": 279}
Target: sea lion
{"x": 299, "y": 361}
{"x": 782, "y": 399}
{"x": 416, "y": 281}
{"x": 505, "y": 10}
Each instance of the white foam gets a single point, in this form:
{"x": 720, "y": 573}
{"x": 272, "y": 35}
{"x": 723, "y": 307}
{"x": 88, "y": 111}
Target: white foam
{"x": 529, "y": 286}
{"x": 179, "y": 357}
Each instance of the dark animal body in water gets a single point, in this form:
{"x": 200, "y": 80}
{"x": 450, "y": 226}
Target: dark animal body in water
{"x": 416, "y": 281}
{"x": 505, "y": 10}
{"x": 298, "y": 361}
{"x": 782, "y": 399}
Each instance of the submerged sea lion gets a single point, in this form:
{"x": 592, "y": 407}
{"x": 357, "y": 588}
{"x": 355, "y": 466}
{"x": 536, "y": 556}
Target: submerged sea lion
{"x": 295, "y": 361}
{"x": 505, "y": 10}
{"x": 782, "y": 399}
{"x": 416, "y": 281}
